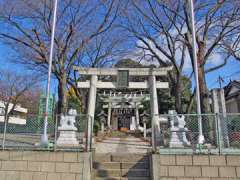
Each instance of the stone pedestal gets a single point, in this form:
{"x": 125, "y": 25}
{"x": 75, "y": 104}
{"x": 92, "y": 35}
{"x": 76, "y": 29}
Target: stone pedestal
{"x": 67, "y": 130}
{"x": 67, "y": 138}
{"x": 178, "y": 138}
{"x": 178, "y": 133}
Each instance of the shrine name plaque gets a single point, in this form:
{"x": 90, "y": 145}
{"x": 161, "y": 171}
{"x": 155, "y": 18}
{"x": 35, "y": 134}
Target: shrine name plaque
{"x": 123, "y": 79}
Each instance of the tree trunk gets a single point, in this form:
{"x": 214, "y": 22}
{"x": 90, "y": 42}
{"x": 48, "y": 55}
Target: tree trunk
{"x": 7, "y": 112}
{"x": 62, "y": 98}
{"x": 191, "y": 102}
{"x": 203, "y": 91}
{"x": 6, "y": 118}
{"x": 178, "y": 95}
{"x": 202, "y": 84}
{"x": 175, "y": 81}
{"x": 84, "y": 94}
{"x": 205, "y": 107}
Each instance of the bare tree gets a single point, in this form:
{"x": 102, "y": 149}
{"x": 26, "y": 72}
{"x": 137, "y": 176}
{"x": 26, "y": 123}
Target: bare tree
{"x": 232, "y": 46}
{"x": 79, "y": 23}
{"x": 30, "y": 99}
{"x": 100, "y": 52}
{"x": 13, "y": 89}
{"x": 160, "y": 38}
{"x": 163, "y": 28}
{"x": 216, "y": 22}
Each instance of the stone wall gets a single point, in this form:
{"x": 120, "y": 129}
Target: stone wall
{"x": 195, "y": 167}
{"x": 44, "y": 165}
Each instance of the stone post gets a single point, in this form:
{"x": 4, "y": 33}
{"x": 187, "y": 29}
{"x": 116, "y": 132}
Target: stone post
{"x": 219, "y": 107}
{"x": 91, "y": 109}
{"x": 154, "y": 112}
{"x": 109, "y": 115}
{"x": 144, "y": 130}
{"x": 137, "y": 115}
{"x": 102, "y": 117}
{"x": 102, "y": 127}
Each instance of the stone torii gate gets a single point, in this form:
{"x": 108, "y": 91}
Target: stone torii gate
{"x": 113, "y": 100}
{"x": 123, "y": 74}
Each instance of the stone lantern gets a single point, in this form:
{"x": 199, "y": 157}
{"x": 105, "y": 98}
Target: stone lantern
{"x": 145, "y": 118}
{"x": 103, "y": 119}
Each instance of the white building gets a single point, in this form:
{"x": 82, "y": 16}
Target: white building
{"x": 17, "y": 117}
{"x": 232, "y": 97}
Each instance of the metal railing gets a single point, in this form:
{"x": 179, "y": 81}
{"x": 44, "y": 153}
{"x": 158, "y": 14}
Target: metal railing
{"x": 179, "y": 134}
{"x": 25, "y": 133}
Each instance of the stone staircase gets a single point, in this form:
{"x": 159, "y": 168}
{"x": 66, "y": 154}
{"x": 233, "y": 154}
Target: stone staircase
{"x": 121, "y": 167}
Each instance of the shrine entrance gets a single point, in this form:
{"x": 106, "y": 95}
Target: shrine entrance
{"x": 123, "y": 109}
{"x": 119, "y": 100}
{"x": 124, "y": 120}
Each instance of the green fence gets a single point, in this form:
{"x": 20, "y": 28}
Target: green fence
{"x": 179, "y": 133}
{"x": 25, "y": 133}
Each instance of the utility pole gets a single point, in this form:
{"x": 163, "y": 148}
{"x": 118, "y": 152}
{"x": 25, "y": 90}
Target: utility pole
{"x": 220, "y": 81}
{"x": 194, "y": 47}
{"x": 44, "y": 137}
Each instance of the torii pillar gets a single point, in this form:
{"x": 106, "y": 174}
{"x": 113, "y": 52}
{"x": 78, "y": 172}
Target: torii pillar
{"x": 109, "y": 114}
{"x": 154, "y": 112}
{"x": 91, "y": 109}
{"x": 137, "y": 115}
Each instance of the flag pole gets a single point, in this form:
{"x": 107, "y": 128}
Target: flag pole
{"x": 194, "y": 47}
{"x": 44, "y": 137}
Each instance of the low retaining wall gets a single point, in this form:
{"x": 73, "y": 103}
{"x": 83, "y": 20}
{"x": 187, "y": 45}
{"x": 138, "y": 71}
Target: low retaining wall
{"x": 195, "y": 167}
{"x": 44, "y": 165}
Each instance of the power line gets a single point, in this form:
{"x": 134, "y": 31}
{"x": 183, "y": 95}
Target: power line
{"x": 223, "y": 78}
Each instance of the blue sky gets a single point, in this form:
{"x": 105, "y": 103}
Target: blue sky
{"x": 6, "y": 54}
{"x": 230, "y": 72}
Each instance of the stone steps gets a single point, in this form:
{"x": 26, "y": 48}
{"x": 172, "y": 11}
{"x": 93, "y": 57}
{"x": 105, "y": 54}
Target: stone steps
{"x": 123, "y": 178}
{"x": 121, "y": 157}
{"x": 121, "y": 167}
{"x": 126, "y": 142}
{"x": 127, "y": 145}
{"x": 127, "y": 139}
{"x": 122, "y": 173}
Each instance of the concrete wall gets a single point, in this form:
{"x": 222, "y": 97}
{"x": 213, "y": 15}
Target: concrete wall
{"x": 40, "y": 165}
{"x": 196, "y": 167}
{"x": 232, "y": 106}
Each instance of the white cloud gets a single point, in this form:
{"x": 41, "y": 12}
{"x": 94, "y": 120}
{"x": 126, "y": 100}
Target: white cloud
{"x": 215, "y": 59}
{"x": 144, "y": 56}
{"x": 138, "y": 54}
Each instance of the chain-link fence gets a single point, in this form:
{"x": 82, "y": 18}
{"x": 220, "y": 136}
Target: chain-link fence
{"x": 64, "y": 133}
{"x": 229, "y": 132}
{"x": 179, "y": 133}
{"x": 176, "y": 133}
